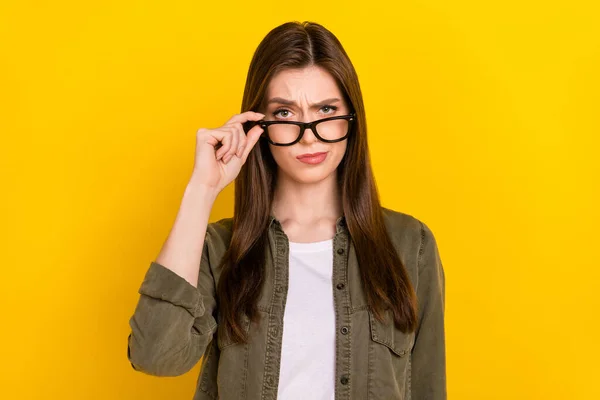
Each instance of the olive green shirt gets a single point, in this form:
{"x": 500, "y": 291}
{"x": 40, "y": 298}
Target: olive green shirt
{"x": 175, "y": 324}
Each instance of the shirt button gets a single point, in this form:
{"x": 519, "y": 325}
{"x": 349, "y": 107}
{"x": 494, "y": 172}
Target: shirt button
{"x": 345, "y": 329}
{"x": 340, "y": 251}
{"x": 279, "y": 289}
{"x": 344, "y": 380}
{"x": 340, "y": 286}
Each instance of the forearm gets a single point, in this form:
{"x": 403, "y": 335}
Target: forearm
{"x": 182, "y": 250}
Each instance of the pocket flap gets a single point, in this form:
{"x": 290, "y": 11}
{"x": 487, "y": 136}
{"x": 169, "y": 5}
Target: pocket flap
{"x": 223, "y": 340}
{"x": 388, "y": 335}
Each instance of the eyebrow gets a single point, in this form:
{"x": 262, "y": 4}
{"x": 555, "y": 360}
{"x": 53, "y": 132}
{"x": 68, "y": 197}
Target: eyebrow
{"x": 281, "y": 100}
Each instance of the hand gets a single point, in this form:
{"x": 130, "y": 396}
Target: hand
{"x": 216, "y": 166}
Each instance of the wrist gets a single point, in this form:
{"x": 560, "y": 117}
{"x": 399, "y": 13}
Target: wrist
{"x": 201, "y": 189}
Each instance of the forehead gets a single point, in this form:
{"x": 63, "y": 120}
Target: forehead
{"x": 313, "y": 83}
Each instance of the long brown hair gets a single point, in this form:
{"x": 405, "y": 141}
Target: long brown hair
{"x": 384, "y": 277}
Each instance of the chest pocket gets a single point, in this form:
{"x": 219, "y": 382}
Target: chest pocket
{"x": 395, "y": 340}
{"x": 389, "y": 355}
{"x": 222, "y": 340}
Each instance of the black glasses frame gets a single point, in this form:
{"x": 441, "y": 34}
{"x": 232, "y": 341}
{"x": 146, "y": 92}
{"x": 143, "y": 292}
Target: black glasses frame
{"x": 303, "y": 125}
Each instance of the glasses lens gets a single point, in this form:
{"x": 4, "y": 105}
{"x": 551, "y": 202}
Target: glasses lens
{"x": 333, "y": 129}
{"x": 329, "y": 130}
{"x": 283, "y": 133}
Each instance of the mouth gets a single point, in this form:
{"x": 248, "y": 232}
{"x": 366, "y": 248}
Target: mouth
{"x": 312, "y": 158}
{"x": 309, "y": 155}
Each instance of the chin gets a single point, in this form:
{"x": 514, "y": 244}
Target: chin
{"x": 309, "y": 175}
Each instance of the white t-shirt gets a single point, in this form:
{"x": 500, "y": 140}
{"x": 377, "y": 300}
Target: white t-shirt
{"x": 308, "y": 348}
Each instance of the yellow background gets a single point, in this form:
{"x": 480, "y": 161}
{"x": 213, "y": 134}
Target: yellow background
{"x": 483, "y": 121}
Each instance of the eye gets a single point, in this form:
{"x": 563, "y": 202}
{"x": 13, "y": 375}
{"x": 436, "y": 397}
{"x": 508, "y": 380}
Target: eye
{"x": 280, "y": 110}
{"x": 333, "y": 108}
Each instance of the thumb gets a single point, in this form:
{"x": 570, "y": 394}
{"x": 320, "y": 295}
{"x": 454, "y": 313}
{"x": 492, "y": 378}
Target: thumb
{"x": 252, "y": 137}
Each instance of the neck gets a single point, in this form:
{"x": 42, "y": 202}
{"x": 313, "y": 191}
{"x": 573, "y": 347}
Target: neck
{"x": 306, "y": 202}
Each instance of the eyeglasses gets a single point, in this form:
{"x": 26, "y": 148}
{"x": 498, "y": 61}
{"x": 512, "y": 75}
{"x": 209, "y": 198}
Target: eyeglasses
{"x": 287, "y": 133}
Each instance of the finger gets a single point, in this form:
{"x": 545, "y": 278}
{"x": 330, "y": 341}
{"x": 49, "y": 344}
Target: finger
{"x": 210, "y": 136}
{"x": 235, "y": 138}
{"x": 242, "y": 144}
{"x": 245, "y": 116}
{"x": 251, "y": 140}
{"x": 241, "y": 137}
{"x": 225, "y": 145}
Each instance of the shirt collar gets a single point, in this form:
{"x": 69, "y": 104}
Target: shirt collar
{"x": 340, "y": 223}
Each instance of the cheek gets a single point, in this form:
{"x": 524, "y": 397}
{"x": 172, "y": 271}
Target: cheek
{"x": 283, "y": 158}
{"x": 337, "y": 151}
{"x": 280, "y": 154}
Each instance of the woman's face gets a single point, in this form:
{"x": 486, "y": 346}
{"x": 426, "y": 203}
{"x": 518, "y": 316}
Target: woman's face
{"x": 305, "y": 95}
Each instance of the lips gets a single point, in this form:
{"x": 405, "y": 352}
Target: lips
{"x": 310, "y": 155}
{"x": 312, "y": 158}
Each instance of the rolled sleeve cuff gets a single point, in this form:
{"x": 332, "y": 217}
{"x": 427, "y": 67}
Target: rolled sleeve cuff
{"x": 163, "y": 284}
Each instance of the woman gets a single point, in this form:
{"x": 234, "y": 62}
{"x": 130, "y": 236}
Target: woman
{"x": 312, "y": 290}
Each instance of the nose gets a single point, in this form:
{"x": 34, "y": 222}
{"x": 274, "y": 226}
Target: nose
{"x": 308, "y": 136}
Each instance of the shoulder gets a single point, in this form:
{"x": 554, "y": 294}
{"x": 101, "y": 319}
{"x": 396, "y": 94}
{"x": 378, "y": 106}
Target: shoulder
{"x": 399, "y": 223}
{"x": 222, "y": 227}
{"x": 218, "y": 235}
{"x": 412, "y": 237}
{"x": 402, "y": 226}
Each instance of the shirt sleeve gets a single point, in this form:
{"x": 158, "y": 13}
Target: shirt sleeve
{"x": 428, "y": 372}
{"x": 173, "y": 322}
